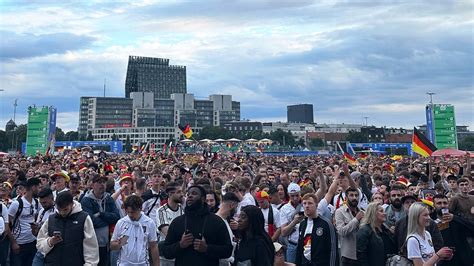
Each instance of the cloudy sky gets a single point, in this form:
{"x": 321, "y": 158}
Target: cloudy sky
{"x": 350, "y": 59}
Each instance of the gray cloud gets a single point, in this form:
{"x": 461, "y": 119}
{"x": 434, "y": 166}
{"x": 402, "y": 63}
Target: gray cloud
{"x": 349, "y": 59}
{"x": 17, "y": 46}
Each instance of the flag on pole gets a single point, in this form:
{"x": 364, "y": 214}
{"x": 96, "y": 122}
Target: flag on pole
{"x": 421, "y": 144}
{"x": 187, "y": 131}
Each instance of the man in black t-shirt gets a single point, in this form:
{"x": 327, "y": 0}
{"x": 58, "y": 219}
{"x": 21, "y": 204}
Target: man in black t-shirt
{"x": 317, "y": 242}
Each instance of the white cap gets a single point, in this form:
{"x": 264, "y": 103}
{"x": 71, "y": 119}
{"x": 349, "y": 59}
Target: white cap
{"x": 293, "y": 188}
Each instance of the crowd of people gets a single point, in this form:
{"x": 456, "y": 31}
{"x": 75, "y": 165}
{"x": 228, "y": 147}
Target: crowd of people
{"x": 80, "y": 208}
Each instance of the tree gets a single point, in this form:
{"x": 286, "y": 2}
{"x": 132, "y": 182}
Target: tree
{"x": 4, "y": 140}
{"x": 301, "y": 142}
{"x": 467, "y": 144}
{"x": 128, "y": 145}
{"x": 356, "y": 137}
{"x": 89, "y": 136}
{"x": 59, "y": 134}
{"x": 316, "y": 142}
{"x": 211, "y": 132}
{"x": 71, "y": 136}
{"x": 285, "y": 138}
{"x": 19, "y": 136}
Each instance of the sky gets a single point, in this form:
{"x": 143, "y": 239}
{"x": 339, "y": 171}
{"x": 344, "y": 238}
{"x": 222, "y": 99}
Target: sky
{"x": 350, "y": 59}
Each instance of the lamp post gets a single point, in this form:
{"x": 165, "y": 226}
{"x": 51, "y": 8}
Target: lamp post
{"x": 431, "y": 97}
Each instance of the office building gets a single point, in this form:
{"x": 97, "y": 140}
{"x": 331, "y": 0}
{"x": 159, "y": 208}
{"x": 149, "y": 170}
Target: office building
{"x": 143, "y": 110}
{"x": 156, "y": 75}
{"x": 104, "y": 112}
{"x": 300, "y": 113}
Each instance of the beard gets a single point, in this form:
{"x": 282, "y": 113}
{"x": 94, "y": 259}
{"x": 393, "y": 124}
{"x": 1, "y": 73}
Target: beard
{"x": 195, "y": 205}
{"x": 353, "y": 203}
{"x": 178, "y": 200}
{"x": 397, "y": 203}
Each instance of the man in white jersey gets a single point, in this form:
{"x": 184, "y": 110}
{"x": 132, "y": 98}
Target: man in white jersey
{"x": 168, "y": 212}
{"x": 21, "y": 215}
{"x": 135, "y": 236}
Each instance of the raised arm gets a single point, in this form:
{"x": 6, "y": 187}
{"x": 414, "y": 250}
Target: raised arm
{"x": 345, "y": 168}
{"x": 323, "y": 186}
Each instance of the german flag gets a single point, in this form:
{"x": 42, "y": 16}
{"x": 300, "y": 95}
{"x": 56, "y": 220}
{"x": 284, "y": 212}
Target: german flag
{"x": 421, "y": 144}
{"x": 351, "y": 160}
{"x": 187, "y": 131}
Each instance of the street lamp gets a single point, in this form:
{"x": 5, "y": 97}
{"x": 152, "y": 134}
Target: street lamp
{"x": 431, "y": 97}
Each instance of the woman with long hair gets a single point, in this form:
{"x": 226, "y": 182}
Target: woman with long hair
{"x": 374, "y": 239}
{"x": 255, "y": 247}
{"x": 419, "y": 245}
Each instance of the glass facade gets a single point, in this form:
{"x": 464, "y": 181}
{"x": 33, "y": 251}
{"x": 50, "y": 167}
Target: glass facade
{"x": 300, "y": 113}
{"x": 154, "y": 75}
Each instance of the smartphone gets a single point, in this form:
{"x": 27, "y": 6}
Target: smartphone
{"x": 301, "y": 213}
{"x": 57, "y": 233}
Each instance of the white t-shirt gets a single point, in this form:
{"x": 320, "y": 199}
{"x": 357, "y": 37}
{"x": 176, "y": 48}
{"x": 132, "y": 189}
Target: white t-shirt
{"x": 287, "y": 213}
{"x": 139, "y": 233}
{"x": 4, "y": 213}
{"x": 421, "y": 249}
{"x": 228, "y": 261}
{"x": 149, "y": 203}
{"x": 55, "y": 193}
{"x": 119, "y": 205}
{"x": 276, "y": 218}
{"x": 247, "y": 199}
{"x": 307, "y": 240}
{"x": 3, "y": 218}
{"x": 165, "y": 215}
{"x": 43, "y": 215}
{"x": 22, "y": 231}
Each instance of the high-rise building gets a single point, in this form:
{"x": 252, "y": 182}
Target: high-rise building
{"x": 148, "y": 74}
{"x": 83, "y": 117}
{"x": 300, "y": 113}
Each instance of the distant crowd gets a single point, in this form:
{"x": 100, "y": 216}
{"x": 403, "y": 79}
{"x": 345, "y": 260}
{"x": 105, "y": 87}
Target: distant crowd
{"x": 235, "y": 208}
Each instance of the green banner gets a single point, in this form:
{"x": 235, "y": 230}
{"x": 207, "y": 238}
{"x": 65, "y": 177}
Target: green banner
{"x": 37, "y": 132}
{"x": 444, "y": 126}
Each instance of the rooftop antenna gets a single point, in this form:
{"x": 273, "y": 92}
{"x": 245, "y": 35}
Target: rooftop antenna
{"x": 105, "y": 81}
{"x": 366, "y": 117}
{"x": 14, "y": 110}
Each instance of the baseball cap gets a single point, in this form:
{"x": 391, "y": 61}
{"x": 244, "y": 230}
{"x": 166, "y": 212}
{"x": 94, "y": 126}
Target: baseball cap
{"x": 293, "y": 188}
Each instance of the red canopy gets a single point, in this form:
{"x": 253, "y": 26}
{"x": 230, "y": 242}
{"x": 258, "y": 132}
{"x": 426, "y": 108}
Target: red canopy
{"x": 449, "y": 152}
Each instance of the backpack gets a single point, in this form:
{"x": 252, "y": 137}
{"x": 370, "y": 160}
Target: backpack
{"x": 401, "y": 259}
{"x": 20, "y": 209}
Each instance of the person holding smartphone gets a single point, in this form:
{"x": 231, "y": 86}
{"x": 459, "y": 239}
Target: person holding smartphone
{"x": 68, "y": 236}
{"x": 420, "y": 247}
{"x": 455, "y": 231}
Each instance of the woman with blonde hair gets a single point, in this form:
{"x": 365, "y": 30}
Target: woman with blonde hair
{"x": 374, "y": 239}
{"x": 419, "y": 244}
